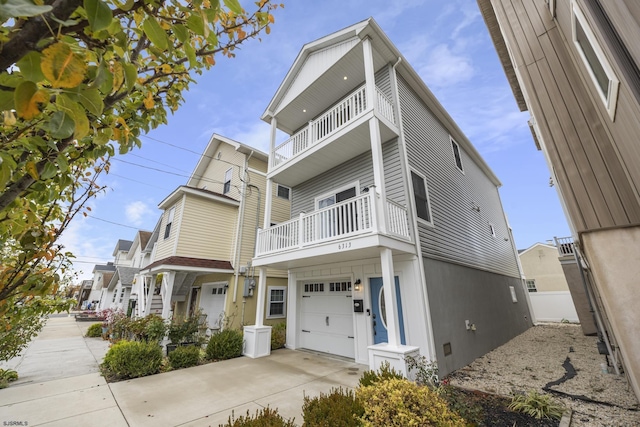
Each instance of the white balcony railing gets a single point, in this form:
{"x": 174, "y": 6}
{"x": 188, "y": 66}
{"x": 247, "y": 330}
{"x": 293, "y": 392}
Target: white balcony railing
{"x": 565, "y": 246}
{"x": 352, "y": 217}
{"x": 337, "y": 117}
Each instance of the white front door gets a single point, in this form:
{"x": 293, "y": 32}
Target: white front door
{"x": 326, "y": 318}
{"x": 212, "y": 300}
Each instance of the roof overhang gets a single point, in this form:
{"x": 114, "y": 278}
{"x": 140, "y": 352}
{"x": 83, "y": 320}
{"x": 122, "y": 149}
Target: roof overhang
{"x": 493, "y": 26}
{"x": 187, "y": 264}
{"x": 197, "y": 192}
{"x": 212, "y": 148}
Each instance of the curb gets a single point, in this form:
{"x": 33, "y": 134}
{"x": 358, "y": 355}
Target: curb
{"x": 565, "y": 421}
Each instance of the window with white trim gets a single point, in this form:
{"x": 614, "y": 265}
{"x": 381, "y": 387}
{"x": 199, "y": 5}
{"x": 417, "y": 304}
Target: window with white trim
{"x": 456, "y": 154}
{"x": 167, "y": 227}
{"x": 227, "y": 181}
{"x": 421, "y": 196}
{"x": 338, "y": 195}
{"x": 277, "y": 303}
{"x": 531, "y": 285}
{"x": 284, "y": 192}
{"x": 598, "y": 66}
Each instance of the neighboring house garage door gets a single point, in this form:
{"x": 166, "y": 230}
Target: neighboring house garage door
{"x": 326, "y": 317}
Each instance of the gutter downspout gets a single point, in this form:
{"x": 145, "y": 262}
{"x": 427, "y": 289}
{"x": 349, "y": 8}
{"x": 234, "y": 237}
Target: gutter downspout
{"x": 236, "y": 263}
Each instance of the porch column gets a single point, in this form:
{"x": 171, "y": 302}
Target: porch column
{"x": 272, "y": 142}
{"x": 167, "y": 290}
{"x": 257, "y": 338}
{"x": 262, "y": 291}
{"x": 149, "y": 284}
{"x": 374, "y": 134}
{"x": 390, "y": 297}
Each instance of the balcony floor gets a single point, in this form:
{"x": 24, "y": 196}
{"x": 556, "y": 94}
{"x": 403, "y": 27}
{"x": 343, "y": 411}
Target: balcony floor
{"x": 347, "y": 249}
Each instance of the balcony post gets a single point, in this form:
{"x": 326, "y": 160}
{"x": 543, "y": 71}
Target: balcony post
{"x": 369, "y": 72}
{"x": 301, "y": 229}
{"x": 272, "y": 142}
{"x": 310, "y": 134}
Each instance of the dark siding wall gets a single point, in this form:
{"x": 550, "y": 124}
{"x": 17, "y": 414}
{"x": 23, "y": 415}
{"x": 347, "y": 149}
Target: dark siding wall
{"x": 460, "y": 233}
{"x": 358, "y": 169}
{"x": 458, "y": 293}
{"x": 594, "y": 158}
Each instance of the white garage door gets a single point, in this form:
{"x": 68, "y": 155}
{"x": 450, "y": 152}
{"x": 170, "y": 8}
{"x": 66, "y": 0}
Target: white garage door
{"x": 326, "y": 317}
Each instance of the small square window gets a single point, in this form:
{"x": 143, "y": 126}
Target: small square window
{"x": 284, "y": 192}
{"x": 531, "y": 285}
{"x": 277, "y": 302}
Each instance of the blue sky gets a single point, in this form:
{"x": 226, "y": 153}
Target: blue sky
{"x": 445, "y": 41}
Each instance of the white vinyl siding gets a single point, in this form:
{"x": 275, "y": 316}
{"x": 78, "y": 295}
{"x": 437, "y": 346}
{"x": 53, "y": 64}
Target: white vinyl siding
{"x": 461, "y": 233}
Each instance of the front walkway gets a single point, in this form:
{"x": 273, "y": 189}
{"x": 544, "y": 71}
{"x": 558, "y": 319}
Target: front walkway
{"x": 60, "y": 385}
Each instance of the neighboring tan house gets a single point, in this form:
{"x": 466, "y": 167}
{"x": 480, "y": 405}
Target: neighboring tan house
{"x": 548, "y": 289}
{"x": 398, "y": 243}
{"x": 204, "y": 242}
{"x": 574, "y": 65}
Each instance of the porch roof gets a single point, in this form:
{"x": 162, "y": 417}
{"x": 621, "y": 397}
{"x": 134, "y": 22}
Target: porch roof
{"x": 189, "y": 264}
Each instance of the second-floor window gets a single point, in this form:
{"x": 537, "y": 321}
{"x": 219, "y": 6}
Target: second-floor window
{"x": 456, "y": 154}
{"x": 531, "y": 285}
{"x": 167, "y": 227}
{"x": 227, "y": 181}
{"x": 423, "y": 210}
{"x": 284, "y": 192}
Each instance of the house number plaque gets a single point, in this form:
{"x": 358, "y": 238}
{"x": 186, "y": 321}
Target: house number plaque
{"x": 343, "y": 246}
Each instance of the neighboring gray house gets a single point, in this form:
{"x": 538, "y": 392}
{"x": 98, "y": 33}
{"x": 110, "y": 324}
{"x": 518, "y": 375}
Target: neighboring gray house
{"x": 398, "y": 243}
{"x": 119, "y": 288}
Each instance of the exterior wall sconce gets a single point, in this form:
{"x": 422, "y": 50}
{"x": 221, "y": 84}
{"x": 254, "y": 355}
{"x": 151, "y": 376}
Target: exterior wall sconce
{"x": 357, "y": 284}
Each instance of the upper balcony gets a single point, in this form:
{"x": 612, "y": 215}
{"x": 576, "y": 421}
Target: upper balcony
{"x": 340, "y": 133}
{"x": 565, "y": 246}
{"x": 353, "y": 229}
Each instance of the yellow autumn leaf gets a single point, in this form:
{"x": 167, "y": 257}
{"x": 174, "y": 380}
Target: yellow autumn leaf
{"x": 165, "y": 68}
{"x": 148, "y": 101}
{"x": 210, "y": 60}
{"x": 32, "y": 170}
{"x": 62, "y": 67}
{"x": 271, "y": 19}
{"x": 118, "y": 75}
{"x": 28, "y": 99}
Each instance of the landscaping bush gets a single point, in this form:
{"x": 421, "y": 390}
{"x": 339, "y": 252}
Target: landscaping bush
{"x": 95, "y": 330}
{"x": 263, "y": 418}
{"x": 338, "y": 408}
{"x": 537, "y": 405}
{"x": 184, "y": 329}
{"x": 132, "y": 359}
{"x": 278, "y": 335}
{"x": 184, "y": 356}
{"x": 224, "y": 345}
{"x": 148, "y": 328}
{"x": 7, "y": 376}
{"x": 385, "y": 372}
{"x": 399, "y": 402}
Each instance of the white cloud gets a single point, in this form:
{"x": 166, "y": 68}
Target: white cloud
{"x": 445, "y": 68}
{"x": 136, "y": 211}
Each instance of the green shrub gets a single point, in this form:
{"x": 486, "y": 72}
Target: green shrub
{"x": 224, "y": 345}
{"x": 425, "y": 370}
{"x": 338, "y": 408}
{"x": 184, "y": 356}
{"x": 278, "y": 335}
{"x": 537, "y": 405}
{"x": 95, "y": 330}
{"x": 399, "y": 402}
{"x": 148, "y": 328}
{"x": 132, "y": 359}
{"x": 7, "y": 376}
{"x": 385, "y": 372}
{"x": 263, "y": 418}
{"x": 184, "y": 329}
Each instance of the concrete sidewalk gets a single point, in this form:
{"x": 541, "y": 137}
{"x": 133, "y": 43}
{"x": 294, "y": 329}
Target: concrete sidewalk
{"x": 60, "y": 385}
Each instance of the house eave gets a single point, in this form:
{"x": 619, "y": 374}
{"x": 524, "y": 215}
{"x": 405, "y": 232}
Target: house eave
{"x": 178, "y": 192}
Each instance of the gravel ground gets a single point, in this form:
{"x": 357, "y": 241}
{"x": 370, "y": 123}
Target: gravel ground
{"x": 535, "y": 358}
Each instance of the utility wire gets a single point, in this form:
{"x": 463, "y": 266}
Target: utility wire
{"x": 135, "y": 180}
{"x": 111, "y": 222}
{"x": 188, "y": 150}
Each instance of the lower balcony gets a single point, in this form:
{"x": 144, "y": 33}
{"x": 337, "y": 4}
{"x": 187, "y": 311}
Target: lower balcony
{"x": 349, "y": 230}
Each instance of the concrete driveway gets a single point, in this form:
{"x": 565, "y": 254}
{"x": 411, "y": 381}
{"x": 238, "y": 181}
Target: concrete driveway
{"x": 60, "y": 385}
